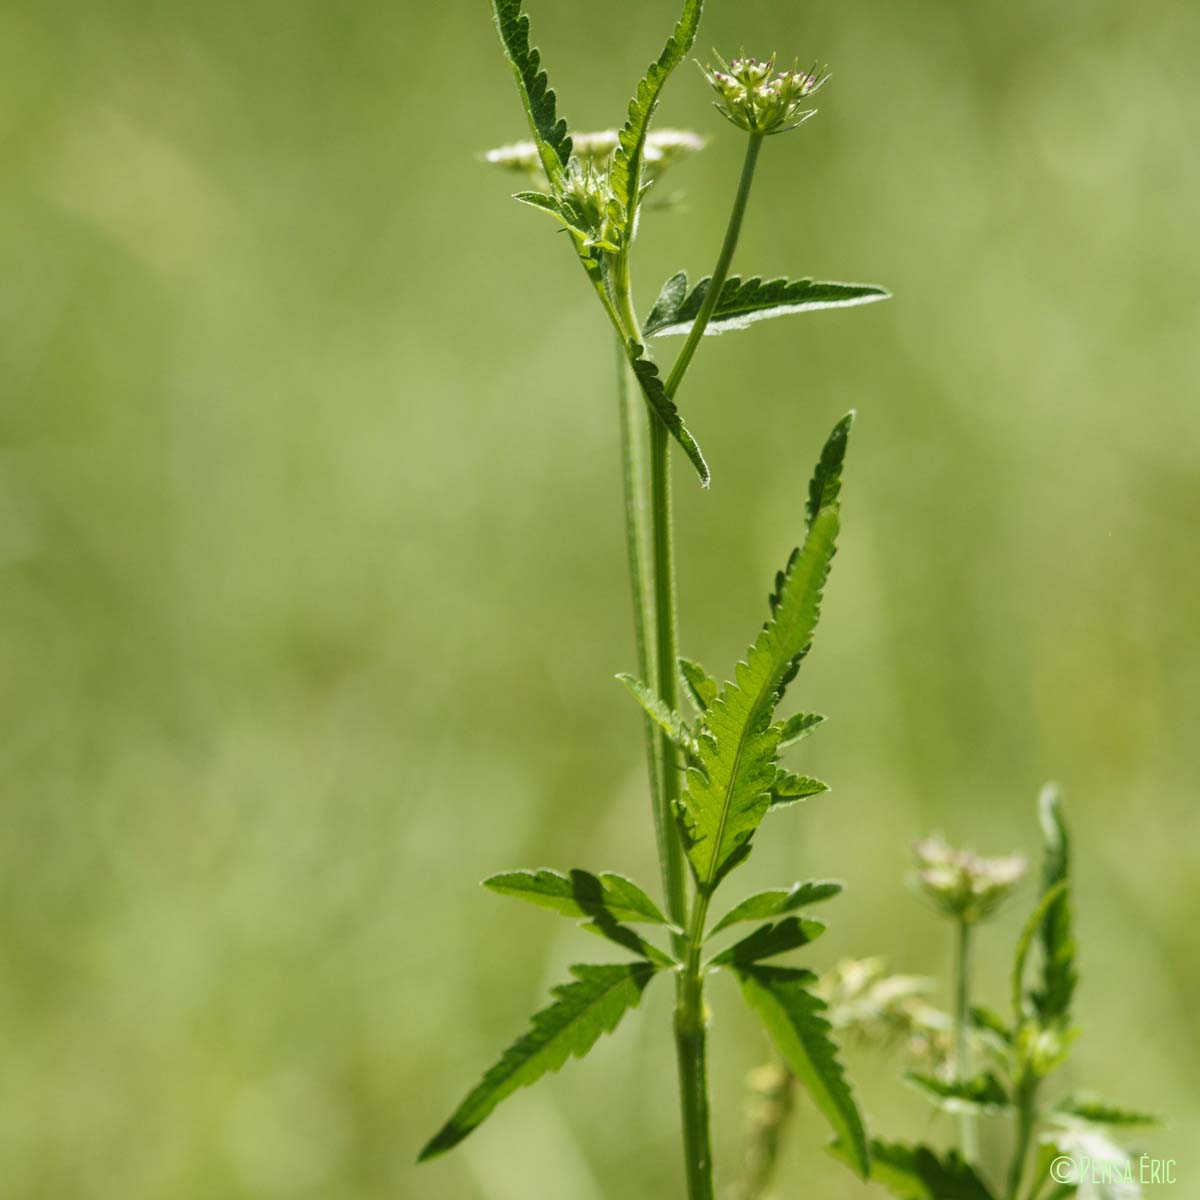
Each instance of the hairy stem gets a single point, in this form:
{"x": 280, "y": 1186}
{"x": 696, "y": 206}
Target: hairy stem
{"x": 962, "y": 1036}
{"x": 721, "y": 270}
{"x": 636, "y": 539}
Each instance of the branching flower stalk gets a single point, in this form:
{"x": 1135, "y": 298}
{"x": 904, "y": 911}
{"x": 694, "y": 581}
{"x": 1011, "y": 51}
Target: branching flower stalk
{"x": 714, "y": 778}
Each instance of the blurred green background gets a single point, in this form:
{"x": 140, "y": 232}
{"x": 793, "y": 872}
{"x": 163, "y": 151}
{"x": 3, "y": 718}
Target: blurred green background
{"x": 312, "y": 581}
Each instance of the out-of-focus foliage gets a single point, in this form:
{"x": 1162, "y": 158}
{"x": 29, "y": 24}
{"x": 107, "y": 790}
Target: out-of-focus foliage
{"x": 313, "y": 587}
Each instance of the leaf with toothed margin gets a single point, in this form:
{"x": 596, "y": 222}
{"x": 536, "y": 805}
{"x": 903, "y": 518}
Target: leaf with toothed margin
{"x": 701, "y": 687}
{"x": 798, "y": 726}
{"x": 592, "y": 1004}
{"x": 826, "y": 483}
{"x": 669, "y": 721}
{"x": 744, "y": 301}
{"x": 549, "y": 132}
{"x": 579, "y": 894}
{"x": 737, "y": 778}
{"x": 1085, "y": 1106}
{"x": 918, "y": 1173}
{"x": 629, "y": 158}
{"x": 1052, "y": 1001}
{"x": 795, "y": 1021}
{"x": 664, "y": 407}
{"x": 776, "y": 902}
{"x": 559, "y": 210}
{"x": 769, "y": 940}
{"x": 983, "y": 1093}
{"x": 790, "y": 789}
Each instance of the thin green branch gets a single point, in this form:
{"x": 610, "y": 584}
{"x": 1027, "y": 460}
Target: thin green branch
{"x": 968, "y": 1143}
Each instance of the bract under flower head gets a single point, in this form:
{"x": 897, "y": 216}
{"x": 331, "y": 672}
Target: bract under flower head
{"x": 760, "y": 100}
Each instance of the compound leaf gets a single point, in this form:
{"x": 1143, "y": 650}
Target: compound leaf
{"x": 788, "y": 788}
{"x": 793, "y": 1018}
{"x": 549, "y": 131}
{"x": 580, "y": 894}
{"x": 777, "y": 902}
{"x": 769, "y": 940}
{"x": 918, "y": 1173}
{"x": 629, "y": 158}
{"x": 745, "y": 301}
{"x": 665, "y": 409}
{"x": 728, "y": 795}
{"x": 571, "y": 1026}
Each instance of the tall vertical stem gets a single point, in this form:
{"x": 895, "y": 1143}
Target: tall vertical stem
{"x": 962, "y": 1036}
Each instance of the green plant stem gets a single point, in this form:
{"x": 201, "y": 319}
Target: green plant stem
{"x": 690, "y": 1052}
{"x": 962, "y": 1036}
{"x": 636, "y": 538}
{"x": 1026, "y": 1099}
{"x": 721, "y": 270}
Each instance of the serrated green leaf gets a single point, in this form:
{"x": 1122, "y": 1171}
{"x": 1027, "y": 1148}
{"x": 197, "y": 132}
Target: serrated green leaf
{"x": 983, "y": 1093}
{"x": 549, "y": 132}
{"x": 700, "y": 685}
{"x": 918, "y": 1173}
{"x": 667, "y": 719}
{"x": 777, "y": 902}
{"x": 793, "y": 1018}
{"x": 665, "y": 408}
{"x": 728, "y": 796}
{"x": 629, "y": 159}
{"x": 789, "y": 789}
{"x": 826, "y": 483}
{"x": 1025, "y": 944}
{"x": 1052, "y": 1001}
{"x": 798, "y": 726}
{"x": 560, "y": 211}
{"x": 1091, "y": 1108}
{"x": 580, "y": 894}
{"x": 571, "y": 1026}
{"x": 769, "y": 940}
{"x": 744, "y": 301}
{"x": 622, "y": 935}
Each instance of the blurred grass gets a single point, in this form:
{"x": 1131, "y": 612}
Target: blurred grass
{"x": 311, "y": 579}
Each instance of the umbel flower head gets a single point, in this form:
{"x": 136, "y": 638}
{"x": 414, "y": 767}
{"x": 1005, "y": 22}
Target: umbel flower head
{"x": 664, "y": 148}
{"x": 756, "y": 98}
{"x": 963, "y": 885}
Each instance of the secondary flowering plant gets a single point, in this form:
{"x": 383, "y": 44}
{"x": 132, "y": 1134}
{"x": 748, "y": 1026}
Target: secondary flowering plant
{"x": 716, "y": 775}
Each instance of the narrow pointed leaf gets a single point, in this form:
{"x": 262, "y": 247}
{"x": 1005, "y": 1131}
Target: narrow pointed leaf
{"x": 769, "y": 940}
{"x": 581, "y": 1012}
{"x": 549, "y": 132}
{"x": 993, "y": 1022}
{"x": 701, "y": 686}
{"x": 1087, "y": 1107}
{"x": 794, "y": 1019}
{"x": 580, "y": 894}
{"x": 629, "y": 159}
{"x": 777, "y": 902}
{"x": 665, "y": 408}
{"x": 669, "y": 721}
{"x": 727, "y": 799}
{"x": 918, "y": 1173}
{"x": 826, "y": 483}
{"x": 1052, "y": 1001}
{"x": 745, "y": 301}
{"x": 798, "y": 726}
{"x": 561, "y": 212}
{"x": 788, "y": 788}
{"x": 983, "y": 1093}
{"x": 1025, "y": 944}
{"x": 622, "y": 935}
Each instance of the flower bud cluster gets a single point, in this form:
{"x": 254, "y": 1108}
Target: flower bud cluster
{"x": 756, "y": 98}
{"x": 664, "y": 148}
{"x": 963, "y": 885}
